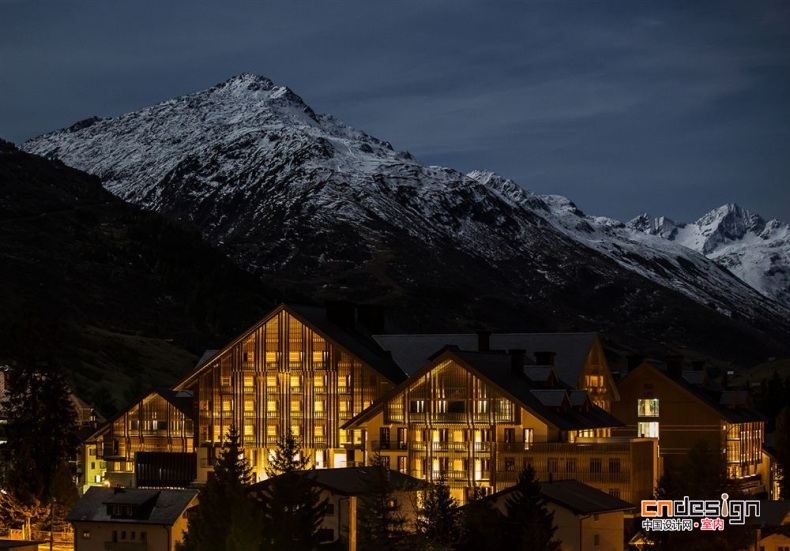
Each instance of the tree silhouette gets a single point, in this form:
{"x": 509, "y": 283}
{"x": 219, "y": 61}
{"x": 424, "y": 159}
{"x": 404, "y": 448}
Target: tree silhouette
{"x": 439, "y": 524}
{"x": 528, "y": 523}
{"x": 380, "y": 520}
{"x": 290, "y": 503}
{"x": 225, "y": 512}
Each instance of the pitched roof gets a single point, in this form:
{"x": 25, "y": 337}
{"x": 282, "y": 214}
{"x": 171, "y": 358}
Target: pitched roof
{"x": 411, "y": 352}
{"x": 358, "y": 343}
{"x": 351, "y": 480}
{"x": 352, "y": 339}
{"x": 168, "y": 505}
{"x": 772, "y": 514}
{"x": 725, "y": 405}
{"x": 495, "y": 367}
{"x": 207, "y": 355}
{"x": 182, "y": 400}
{"x": 575, "y": 496}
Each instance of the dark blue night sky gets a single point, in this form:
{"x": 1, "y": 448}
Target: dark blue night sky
{"x": 625, "y": 107}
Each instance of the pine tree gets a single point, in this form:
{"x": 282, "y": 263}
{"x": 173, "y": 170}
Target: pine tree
{"x": 288, "y": 456}
{"x": 528, "y": 523}
{"x": 291, "y": 505}
{"x": 482, "y": 524}
{"x": 439, "y": 524}
{"x": 380, "y": 520}
{"x": 226, "y": 516}
{"x": 702, "y": 475}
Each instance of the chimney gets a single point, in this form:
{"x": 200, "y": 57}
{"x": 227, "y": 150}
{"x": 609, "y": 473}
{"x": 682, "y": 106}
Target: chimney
{"x": 372, "y": 317}
{"x": 341, "y": 313}
{"x": 674, "y": 365}
{"x": 634, "y": 361}
{"x": 517, "y": 356}
{"x": 484, "y": 341}
{"x": 545, "y": 358}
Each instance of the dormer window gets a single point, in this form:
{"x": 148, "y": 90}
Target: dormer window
{"x": 121, "y": 511}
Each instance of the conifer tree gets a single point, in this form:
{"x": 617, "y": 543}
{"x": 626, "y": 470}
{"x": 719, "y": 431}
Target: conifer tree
{"x": 288, "y": 456}
{"x": 226, "y": 517}
{"x": 439, "y": 523}
{"x": 528, "y": 523}
{"x": 291, "y": 505}
{"x": 702, "y": 475}
{"x": 481, "y": 524}
{"x": 380, "y": 520}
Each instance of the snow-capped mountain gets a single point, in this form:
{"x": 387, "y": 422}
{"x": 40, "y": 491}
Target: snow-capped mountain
{"x": 756, "y": 251}
{"x": 303, "y": 198}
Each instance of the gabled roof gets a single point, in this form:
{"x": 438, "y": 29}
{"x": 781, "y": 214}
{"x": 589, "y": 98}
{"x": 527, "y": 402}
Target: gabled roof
{"x": 411, "y": 352}
{"x": 168, "y": 505}
{"x": 772, "y": 514}
{"x": 207, "y": 355}
{"x": 180, "y": 399}
{"x": 727, "y": 409}
{"x": 359, "y": 344}
{"x": 351, "y": 481}
{"x": 353, "y": 341}
{"x": 575, "y": 496}
{"x": 13, "y": 544}
{"x": 495, "y": 368}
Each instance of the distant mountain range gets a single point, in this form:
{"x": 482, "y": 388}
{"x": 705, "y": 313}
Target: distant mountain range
{"x": 756, "y": 251}
{"x": 316, "y": 207}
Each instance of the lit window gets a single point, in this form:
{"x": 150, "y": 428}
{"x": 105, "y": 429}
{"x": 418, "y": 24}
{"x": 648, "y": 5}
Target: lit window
{"x": 86, "y": 534}
{"x": 647, "y": 407}
{"x": 417, "y": 406}
{"x": 647, "y": 430}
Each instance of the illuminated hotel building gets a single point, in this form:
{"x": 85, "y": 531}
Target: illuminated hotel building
{"x": 332, "y": 377}
{"x": 681, "y": 407}
{"x": 478, "y": 418}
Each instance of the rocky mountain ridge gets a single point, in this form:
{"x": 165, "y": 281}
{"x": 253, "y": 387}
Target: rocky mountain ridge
{"x": 305, "y": 200}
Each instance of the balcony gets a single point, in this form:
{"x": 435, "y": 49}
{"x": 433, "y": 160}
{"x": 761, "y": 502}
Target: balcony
{"x": 378, "y": 445}
{"x": 566, "y": 448}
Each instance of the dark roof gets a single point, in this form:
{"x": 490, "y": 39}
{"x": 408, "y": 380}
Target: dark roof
{"x": 207, "y": 355}
{"x": 351, "y": 480}
{"x": 168, "y": 505}
{"x": 712, "y": 396}
{"x": 772, "y": 513}
{"x": 575, "y": 496}
{"x": 352, "y": 339}
{"x": 411, "y": 352}
{"x": 11, "y": 544}
{"x": 182, "y": 400}
{"x": 496, "y": 367}
{"x": 138, "y": 497}
{"x": 539, "y": 374}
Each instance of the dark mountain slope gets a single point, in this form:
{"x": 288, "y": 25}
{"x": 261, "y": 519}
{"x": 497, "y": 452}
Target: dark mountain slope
{"x": 124, "y": 297}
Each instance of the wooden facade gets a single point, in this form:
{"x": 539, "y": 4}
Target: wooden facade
{"x": 679, "y": 413}
{"x": 451, "y": 420}
{"x": 283, "y": 374}
{"x": 160, "y": 422}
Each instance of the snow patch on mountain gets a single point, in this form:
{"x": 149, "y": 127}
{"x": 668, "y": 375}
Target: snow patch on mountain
{"x": 756, "y": 251}
{"x": 256, "y": 169}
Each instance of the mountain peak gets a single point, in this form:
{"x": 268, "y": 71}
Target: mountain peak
{"x": 728, "y": 222}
